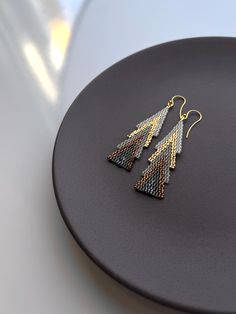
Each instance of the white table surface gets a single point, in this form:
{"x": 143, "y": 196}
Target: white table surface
{"x": 49, "y": 50}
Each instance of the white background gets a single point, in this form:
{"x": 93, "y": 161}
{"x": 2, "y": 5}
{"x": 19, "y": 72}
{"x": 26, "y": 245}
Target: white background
{"x": 49, "y": 50}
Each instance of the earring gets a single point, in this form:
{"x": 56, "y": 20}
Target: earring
{"x": 131, "y": 149}
{"x": 157, "y": 174}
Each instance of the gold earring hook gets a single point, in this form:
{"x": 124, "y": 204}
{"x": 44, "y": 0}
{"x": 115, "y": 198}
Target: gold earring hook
{"x": 171, "y": 102}
{"x": 184, "y": 116}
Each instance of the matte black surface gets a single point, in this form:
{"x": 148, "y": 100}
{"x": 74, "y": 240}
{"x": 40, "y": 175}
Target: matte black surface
{"x": 181, "y": 250}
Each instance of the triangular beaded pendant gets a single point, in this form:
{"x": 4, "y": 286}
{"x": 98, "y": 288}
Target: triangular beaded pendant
{"x": 131, "y": 149}
{"x": 157, "y": 174}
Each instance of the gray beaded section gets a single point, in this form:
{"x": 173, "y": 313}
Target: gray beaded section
{"x": 143, "y": 135}
{"x": 179, "y": 127}
{"x": 166, "y": 155}
{"x": 162, "y": 113}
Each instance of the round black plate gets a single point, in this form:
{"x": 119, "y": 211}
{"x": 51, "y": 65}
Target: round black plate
{"x": 180, "y": 251}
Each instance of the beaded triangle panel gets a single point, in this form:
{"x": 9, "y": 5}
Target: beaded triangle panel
{"x": 131, "y": 149}
{"x": 157, "y": 174}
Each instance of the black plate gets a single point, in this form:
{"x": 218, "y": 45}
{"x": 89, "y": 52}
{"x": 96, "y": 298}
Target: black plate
{"x": 180, "y": 251}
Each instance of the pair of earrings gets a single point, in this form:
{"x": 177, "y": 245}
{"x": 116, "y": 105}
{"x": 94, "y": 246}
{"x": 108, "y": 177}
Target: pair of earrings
{"x": 157, "y": 174}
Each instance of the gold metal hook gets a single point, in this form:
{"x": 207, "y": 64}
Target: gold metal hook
{"x": 184, "y": 116}
{"x": 171, "y": 102}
